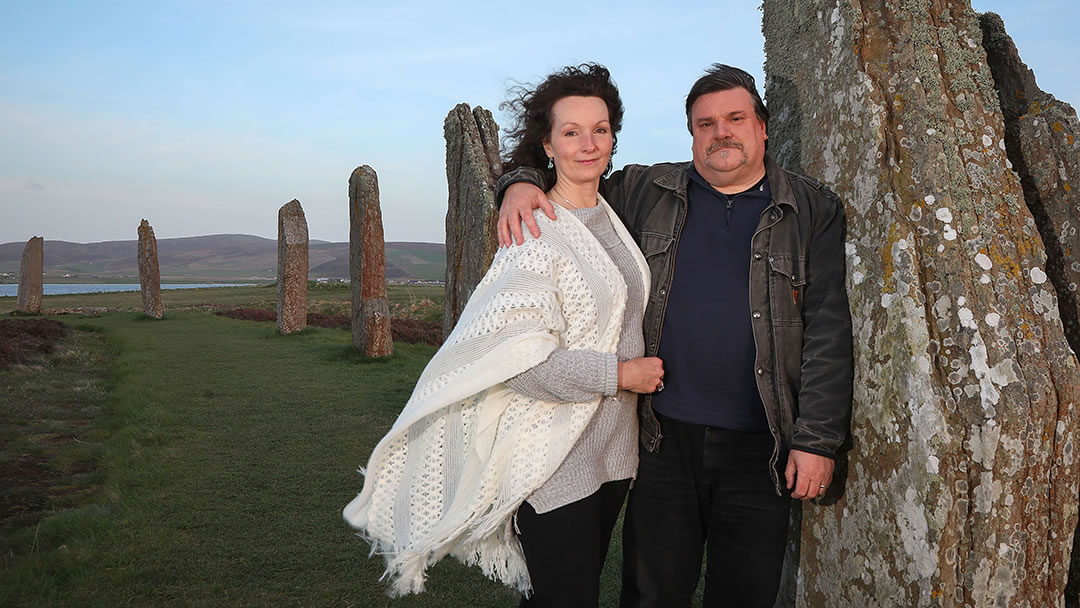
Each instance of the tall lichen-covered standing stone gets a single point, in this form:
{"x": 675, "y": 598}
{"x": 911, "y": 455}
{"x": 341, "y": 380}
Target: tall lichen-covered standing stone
{"x": 292, "y": 272}
{"x": 31, "y": 276}
{"x": 1042, "y": 137}
{"x": 149, "y": 273}
{"x": 367, "y": 266}
{"x": 472, "y": 166}
{"x": 963, "y": 480}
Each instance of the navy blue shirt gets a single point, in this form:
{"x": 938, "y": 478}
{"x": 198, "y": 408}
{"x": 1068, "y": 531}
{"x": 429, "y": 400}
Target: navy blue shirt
{"x": 707, "y": 343}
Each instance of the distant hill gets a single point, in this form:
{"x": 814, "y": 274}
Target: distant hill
{"x": 220, "y": 257}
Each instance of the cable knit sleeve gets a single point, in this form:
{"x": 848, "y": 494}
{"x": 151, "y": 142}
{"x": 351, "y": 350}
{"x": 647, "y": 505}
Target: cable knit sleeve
{"x": 571, "y": 376}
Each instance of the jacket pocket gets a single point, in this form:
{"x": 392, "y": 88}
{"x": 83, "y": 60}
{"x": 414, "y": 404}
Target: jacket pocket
{"x": 787, "y": 279}
{"x": 656, "y": 247}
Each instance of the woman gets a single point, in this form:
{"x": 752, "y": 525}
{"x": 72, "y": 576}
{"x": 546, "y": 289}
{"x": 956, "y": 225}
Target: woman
{"x": 525, "y": 420}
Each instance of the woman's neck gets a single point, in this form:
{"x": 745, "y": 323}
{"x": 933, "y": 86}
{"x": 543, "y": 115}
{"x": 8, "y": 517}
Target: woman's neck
{"x": 574, "y": 196}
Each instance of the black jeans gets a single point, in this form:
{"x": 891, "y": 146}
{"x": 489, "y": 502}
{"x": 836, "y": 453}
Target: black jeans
{"x": 565, "y": 548}
{"x": 704, "y": 489}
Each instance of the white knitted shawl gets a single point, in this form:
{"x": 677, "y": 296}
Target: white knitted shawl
{"x": 466, "y": 450}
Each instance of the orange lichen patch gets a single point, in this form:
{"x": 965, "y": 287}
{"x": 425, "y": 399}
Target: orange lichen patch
{"x": 886, "y": 255}
{"x": 1057, "y": 126}
{"x": 1065, "y": 186}
{"x": 898, "y": 101}
{"x": 1025, "y": 330}
{"x": 1019, "y": 93}
{"x": 1035, "y": 108}
{"x": 1005, "y": 262}
{"x": 1069, "y": 138}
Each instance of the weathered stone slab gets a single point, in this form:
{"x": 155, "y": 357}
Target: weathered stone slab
{"x": 472, "y": 166}
{"x": 1042, "y": 137}
{"x": 963, "y": 480}
{"x": 367, "y": 266}
{"x": 292, "y": 271}
{"x": 31, "y": 276}
{"x": 149, "y": 273}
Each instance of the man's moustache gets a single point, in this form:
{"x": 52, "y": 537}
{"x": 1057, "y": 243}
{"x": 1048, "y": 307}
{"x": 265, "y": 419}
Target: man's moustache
{"x": 723, "y": 143}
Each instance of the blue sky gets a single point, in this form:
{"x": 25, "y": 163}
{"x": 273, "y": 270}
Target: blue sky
{"x": 205, "y": 117}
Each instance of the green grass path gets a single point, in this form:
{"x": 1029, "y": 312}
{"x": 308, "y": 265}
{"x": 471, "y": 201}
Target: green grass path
{"x": 229, "y": 453}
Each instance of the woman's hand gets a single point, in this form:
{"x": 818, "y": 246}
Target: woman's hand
{"x": 641, "y": 375}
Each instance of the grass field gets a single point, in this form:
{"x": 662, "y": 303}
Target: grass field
{"x": 322, "y": 298}
{"x": 201, "y": 460}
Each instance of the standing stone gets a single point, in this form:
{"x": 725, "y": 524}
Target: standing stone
{"x": 31, "y": 276}
{"x": 1042, "y": 137}
{"x": 472, "y": 166}
{"x": 149, "y": 274}
{"x": 367, "y": 266}
{"x": 962, "y": 484}
{"x": 292, "y": 270}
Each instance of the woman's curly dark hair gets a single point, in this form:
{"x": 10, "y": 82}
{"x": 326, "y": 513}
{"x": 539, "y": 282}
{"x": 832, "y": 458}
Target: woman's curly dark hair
{"x": 532, "y": 113}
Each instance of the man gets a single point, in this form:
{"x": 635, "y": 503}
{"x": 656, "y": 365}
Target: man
{"x": 749, "y": 313}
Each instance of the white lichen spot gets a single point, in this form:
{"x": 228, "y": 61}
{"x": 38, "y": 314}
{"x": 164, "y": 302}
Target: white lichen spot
{"x": 1001, "y": 144}
{"x": 941, "y": 307}
{"x": 983, "y": 261}
{"x": 948, "y": 233}
{"x": 987, "y": 141}
{"x": 983, "y": 444}
{"x": 967, "y": 318}
{"x": 961, "y": 300}
{"x": 986, "y": 493}
{"x": 857, "y": 277}
{"x": 931, "y": 131}
{"x": 887, "y": 299}
{"x": 989, "y": 377}
{"x": 932, "y": 465}
{"x": 944, "y": 214}
{"x": 1008, "y": 164}
{"x": 914, "y": 529}
{"x": 929, "y": 198}
{"x": 1038, "y": 276}
{"x": 992, "y": 319}
{"x": 940, "y": 248}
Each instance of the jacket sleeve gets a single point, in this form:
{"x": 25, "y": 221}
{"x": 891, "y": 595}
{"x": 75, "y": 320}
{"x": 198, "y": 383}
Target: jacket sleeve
{"x": 521, "y": 174}
{"x": 825, "y": 393}
{"x": 613, "y": 187}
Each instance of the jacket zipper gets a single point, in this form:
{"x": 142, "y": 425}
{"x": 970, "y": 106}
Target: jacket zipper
{"x": 774, "y": 459}
{"x": 663, "y": 312}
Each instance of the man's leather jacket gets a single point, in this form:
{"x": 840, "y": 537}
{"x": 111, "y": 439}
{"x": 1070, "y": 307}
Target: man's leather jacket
{"x": 798, "y": 301}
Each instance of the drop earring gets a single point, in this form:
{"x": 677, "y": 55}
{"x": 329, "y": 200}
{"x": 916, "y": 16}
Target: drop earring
{"x": 551, "y": 163}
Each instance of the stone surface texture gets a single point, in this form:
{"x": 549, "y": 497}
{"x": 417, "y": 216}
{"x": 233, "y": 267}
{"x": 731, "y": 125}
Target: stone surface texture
{"x": 367, "y": 266}
{"x": 962, "y": 487}
{"x": 149, "y": 273}
{"x": 1042, "y": 137}
{"x": 31, "y": 276}
{"x": 292, "y": 271}
{"x": 472, "y": 166}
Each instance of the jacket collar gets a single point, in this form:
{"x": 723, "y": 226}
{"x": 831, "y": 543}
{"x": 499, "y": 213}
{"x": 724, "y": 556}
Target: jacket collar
{"x": 779, "y": 185}
{"x": 678, "y": 180}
